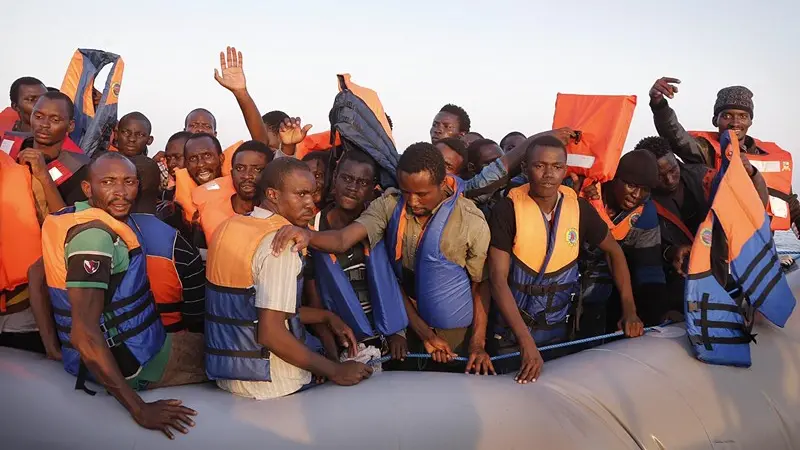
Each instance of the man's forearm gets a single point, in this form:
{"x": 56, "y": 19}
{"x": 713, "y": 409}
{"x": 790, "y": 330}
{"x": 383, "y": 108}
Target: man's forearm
{"x": 622, "y": 280}
{"x": 504, "y": 299}
{"x": 338, "y": 241}
{"x": 310, "y": 315}
{"x": 40, "y": 306}
{"x": 761, "y": 187}
{"x": 480, "y": 317}
{"x": 252, "y": 117}
{"x": 682, "y": 143}
{"x": 51, "y": 194}
{"x": 285, "y": 345}
{"x": 417, "y": 324}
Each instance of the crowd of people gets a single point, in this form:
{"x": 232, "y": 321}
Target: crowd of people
{"x": 271, "y": 274}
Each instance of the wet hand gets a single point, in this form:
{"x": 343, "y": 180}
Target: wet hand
{"x": 344, "y": 333}
{"x": 398, "y": 347}
{"x": 664, "y": 87}
{"x": 564, "y": 134}
{"x": 592, "y": 191}
{"x": 292, "y": 132}
{"x": 232, "y": 68}
{"x": 532, "y": 363}
{"x": 479, "y": 362}
{"x": 439, "y": 349}
{"x": 287, "y": 234}
{"x": 631, "y": 325}
{"x": 350, "y": 373}
{"x": 35, "y": 160}
{"x": 165, "y": 415}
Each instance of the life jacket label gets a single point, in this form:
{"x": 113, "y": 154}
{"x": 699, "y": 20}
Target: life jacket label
{"x": 55, "y": 174}
{"x": 582, "y": 161}
{"x": 766, "y": 166}
{"x": 212, "y": 186}
{"x": 778, "y": 207}
{"x": 7, "y": 145}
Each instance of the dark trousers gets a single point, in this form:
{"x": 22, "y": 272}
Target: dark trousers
{"x": 30, "y": 341}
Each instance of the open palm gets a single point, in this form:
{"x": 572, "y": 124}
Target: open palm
{"x": 292, "y": 131}
{"x": 232, "y": 77}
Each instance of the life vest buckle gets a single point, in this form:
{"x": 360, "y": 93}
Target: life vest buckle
{"x": 110, "y": 342}
{"x": 103, "y": 328}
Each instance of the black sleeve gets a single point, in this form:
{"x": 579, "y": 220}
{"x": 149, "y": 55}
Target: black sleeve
{"x": 593, "y": 228}
{"x": 192, "y": 274}
{"x": 308, "y": 267}
{"x": 503, "y": 225}
{"x": 70, "y": 190}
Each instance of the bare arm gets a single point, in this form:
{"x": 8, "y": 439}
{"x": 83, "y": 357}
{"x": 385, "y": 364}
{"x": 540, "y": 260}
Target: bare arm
{"x": 273, "y": 334}
{"x": 480, "y": 317}
{"x": 252, "y": 117}
{"x": 499, "y": 267}
{"x": 86, "y": 337}
{"x": 233, "y": 79}
{"x": 332, "y": 241}
{"x": 324, "y": 333}
{"x": 622, "y": 280}
{"x": 43, "y": 310}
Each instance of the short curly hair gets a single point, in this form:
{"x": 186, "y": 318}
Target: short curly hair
{"x": 656, "y": 145}
{"x": 423, "y": 157}
{"x": 463, "y": 118}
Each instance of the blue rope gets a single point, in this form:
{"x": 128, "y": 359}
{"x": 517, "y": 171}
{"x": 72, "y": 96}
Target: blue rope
{"x": 515, "y": 354}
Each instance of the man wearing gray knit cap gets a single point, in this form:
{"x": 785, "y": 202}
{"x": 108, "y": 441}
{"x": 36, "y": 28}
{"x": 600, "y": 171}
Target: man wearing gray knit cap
{"x": 733, "y": 110}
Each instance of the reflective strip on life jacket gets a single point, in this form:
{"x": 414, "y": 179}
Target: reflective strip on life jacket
{"x": 338, "y": 295}
{"x": 604, "y": 121}
{"x": 775, "y": 166}
{"x": 719, "y": 325}
{"x": 213, "y": 202}
{"x": 78, "y": 85}
{"x": 158, "y": 242}
{"x": 443, "y": 288}
{"x": 20, "y": 234}
{"x": 232, "y": 348}
{"x": 130, "y": 318}
{"x": 675, "y": 220}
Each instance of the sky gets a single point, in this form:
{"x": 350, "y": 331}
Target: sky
{"x": 503, "y": 61}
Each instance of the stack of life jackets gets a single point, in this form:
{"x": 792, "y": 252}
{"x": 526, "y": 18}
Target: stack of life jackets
{"x": 91, "y": 126}
{"x": 232, "y": 348}
{"x": 158, "y": 243}
{"x": 721, "y": 300}
{"x": 20, "y": 235}
{"x": 775, "y": 166}
{"x": 443, "y": 288}
{"x": 544, "y": 275}
{"x": 129, "y": 322}
{"x": 603, "y": 122}
{"x": 338, "y": 295}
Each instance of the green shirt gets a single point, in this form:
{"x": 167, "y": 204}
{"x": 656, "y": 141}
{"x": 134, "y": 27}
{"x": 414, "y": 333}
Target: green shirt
{"x": 94, "y": 254}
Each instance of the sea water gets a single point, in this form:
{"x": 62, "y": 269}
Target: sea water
{"x": 787, "y": 242}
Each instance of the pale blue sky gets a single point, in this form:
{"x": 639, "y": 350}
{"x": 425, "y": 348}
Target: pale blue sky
{"x": 503, "y": 61}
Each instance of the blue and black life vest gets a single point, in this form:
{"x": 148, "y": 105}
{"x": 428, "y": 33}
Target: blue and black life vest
{"x": 129, "y": 320}
{"x": 443, "y": 288}
{"x": 734, "y": 269}
{"x": 337, "y": 292}
{"x": 232, "y": 348}
{"x": 544, "y": 275}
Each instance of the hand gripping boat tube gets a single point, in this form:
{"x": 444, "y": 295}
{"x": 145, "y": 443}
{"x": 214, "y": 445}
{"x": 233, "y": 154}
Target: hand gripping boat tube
{"x": 78, "y": 84}
{"x": 720, "y": 301}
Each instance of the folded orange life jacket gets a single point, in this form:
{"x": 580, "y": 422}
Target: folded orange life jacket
{"x": 20, "y": 235}
{"x": 8, "y": 118}
{"x": 775, "y": 165}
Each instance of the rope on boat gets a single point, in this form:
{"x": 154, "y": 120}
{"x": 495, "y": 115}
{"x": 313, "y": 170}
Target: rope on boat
{"x": 541, "y": 349}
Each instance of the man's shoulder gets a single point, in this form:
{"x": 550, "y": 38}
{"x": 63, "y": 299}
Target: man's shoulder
{"x": 469, "y": 209}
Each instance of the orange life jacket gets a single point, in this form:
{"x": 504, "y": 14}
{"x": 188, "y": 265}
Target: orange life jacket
{"x": 603, "y": 121}
{"x": 20, "y": 234}
{"x": 228, "y": 152}
{"x": 674, "y": 219}
{"x": 315, "y": 142}
{"x": 184, "y": 185}
{"x": 8, "y": 118}
{"x": 775, "y": 166}
{"x": 621, "y": 229}
{"x": 213, "y": 202}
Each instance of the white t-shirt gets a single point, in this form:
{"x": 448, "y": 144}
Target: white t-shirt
{"x": 276, "y": 289}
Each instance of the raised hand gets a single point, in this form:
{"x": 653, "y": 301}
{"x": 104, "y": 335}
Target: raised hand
{"x": 664, "y": 87}
{"x": 232, "y": 68}
{"x": 291, "y": 132}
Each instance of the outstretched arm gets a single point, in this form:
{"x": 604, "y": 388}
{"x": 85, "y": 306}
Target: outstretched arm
{"x": 622, "y": 280}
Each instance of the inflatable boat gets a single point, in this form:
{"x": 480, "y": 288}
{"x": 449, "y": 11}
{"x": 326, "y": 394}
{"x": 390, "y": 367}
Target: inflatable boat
{"x": 646, "y": 393}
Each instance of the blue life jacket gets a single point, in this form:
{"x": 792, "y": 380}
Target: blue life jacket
{"x": 388, "y": 310}
{"x": 443, "y": 288}
{"x": 358, "y": 116}
{"x": 737, "y": 229}
{"x": 129, "y": 316}
{"x": 158, "y": 242}
{"x": 92, "y": 126}
{"x": 232, "y": 348}
{"x": 544, "y": 275}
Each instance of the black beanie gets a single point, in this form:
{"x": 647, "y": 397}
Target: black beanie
{"x": 638, "y": 167}
{"x": 734, "y": 97}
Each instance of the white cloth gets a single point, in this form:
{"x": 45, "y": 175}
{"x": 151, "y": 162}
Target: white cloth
{"x": 21, "y": 322}
{"x": 367, "y": 355}
{"x": 276, "y": 289}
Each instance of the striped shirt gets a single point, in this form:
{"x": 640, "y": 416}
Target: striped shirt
{"x": 192, "y": 273}
{"x": 276, "y": 289}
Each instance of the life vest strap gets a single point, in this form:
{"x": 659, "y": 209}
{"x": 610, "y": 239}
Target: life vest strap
{"x": 232, "y": 290}
{"x": 767, "y": 289}
{"x": 675, "y": 220}
{"x": 699, "y": 340}
{"x": 359, "y": 274}
{"x": 228, "y": 321}
{"x": 260, "y": 354}
{"x": 175, "y": 327}
{"x": 538, "y": 289}
{"x": 695, "y": 306}
{"x": 118, "y": 319}
{"x": 80, "y": 381}
{"x": 116, "y": 340}
{"x": 778, "y": 194}
{"x": 164, "y": 308}
{"x": 754, "y": 263}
